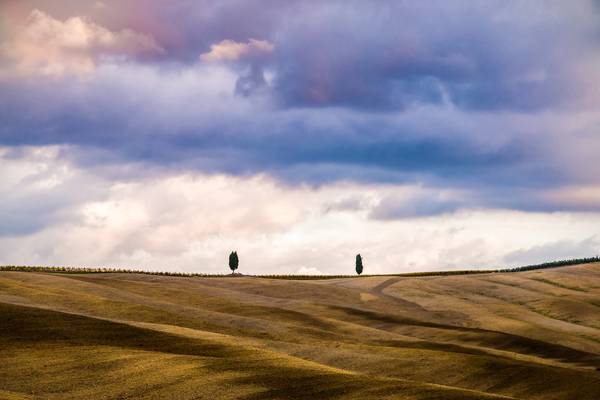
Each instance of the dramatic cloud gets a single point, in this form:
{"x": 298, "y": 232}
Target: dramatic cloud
{"x": 198, "y": 123}
{"x": 47, "y": 46}
{"x": 251, "y": 57}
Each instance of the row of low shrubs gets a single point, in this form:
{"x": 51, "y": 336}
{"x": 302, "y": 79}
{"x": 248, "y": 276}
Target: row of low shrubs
{"x": 553, "y": 264}
{"x": 84, "y": 270}
{"x": 408, "y": 274}
{"x": 100, "y": 270}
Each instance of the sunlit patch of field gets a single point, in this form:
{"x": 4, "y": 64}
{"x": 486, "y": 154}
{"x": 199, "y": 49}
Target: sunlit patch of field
{"x": 525, "y": 335}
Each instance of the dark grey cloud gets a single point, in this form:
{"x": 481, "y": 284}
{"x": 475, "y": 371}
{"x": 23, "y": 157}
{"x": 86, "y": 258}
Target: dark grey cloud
{"x": 290, "y": 145}
{"x": 495, "y": 55}
{"x": 449, "y": 94}
{"x": 481, "y": 56}
{"x": 390, "y": 55}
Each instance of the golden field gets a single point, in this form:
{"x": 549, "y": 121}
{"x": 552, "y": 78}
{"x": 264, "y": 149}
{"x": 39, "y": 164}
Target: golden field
{"x": 520, "y": 335}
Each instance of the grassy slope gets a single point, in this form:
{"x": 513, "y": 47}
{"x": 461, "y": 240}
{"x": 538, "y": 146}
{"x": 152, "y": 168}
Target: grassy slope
{"x": 528, "y": 335}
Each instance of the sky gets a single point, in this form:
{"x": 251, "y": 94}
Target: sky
{"x": 162, "y": 135}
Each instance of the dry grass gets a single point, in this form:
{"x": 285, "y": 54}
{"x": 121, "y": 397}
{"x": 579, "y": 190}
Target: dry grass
{"x": 527, "y": 335}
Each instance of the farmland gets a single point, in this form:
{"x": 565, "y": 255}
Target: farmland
{"x": 525, "y": 335}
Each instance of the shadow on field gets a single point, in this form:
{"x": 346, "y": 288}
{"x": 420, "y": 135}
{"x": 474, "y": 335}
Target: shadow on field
{"x": 474, "y": 336}
{"x": 271, "y": 375}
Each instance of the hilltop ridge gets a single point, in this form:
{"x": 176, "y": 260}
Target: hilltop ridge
{"x": 87, "y": 270}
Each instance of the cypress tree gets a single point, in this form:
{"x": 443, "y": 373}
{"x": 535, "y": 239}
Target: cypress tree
{"x": 233, "y": 261}
{"x": 359, "y": 265}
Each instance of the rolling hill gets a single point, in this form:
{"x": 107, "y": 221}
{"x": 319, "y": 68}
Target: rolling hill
{"x": 520, "y": 335}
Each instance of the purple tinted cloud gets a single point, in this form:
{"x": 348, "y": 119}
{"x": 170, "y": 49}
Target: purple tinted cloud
{"x": 483, "y": 96}
{"x": 494, "y": 55}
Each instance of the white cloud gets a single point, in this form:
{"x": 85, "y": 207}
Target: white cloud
{"x": 229, "y": 50}
{"x": 308, "y": 271}
{"x": 181, "y": 221}
{"x": 40, "y": 189}
{"x": 47, "y": 46}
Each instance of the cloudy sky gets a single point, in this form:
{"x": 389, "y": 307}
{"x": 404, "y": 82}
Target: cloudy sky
{"x": 425, "y": 135}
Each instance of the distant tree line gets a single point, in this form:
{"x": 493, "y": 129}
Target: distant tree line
{"x": 553, "y": 264}
{"x": 97, "y": 270}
